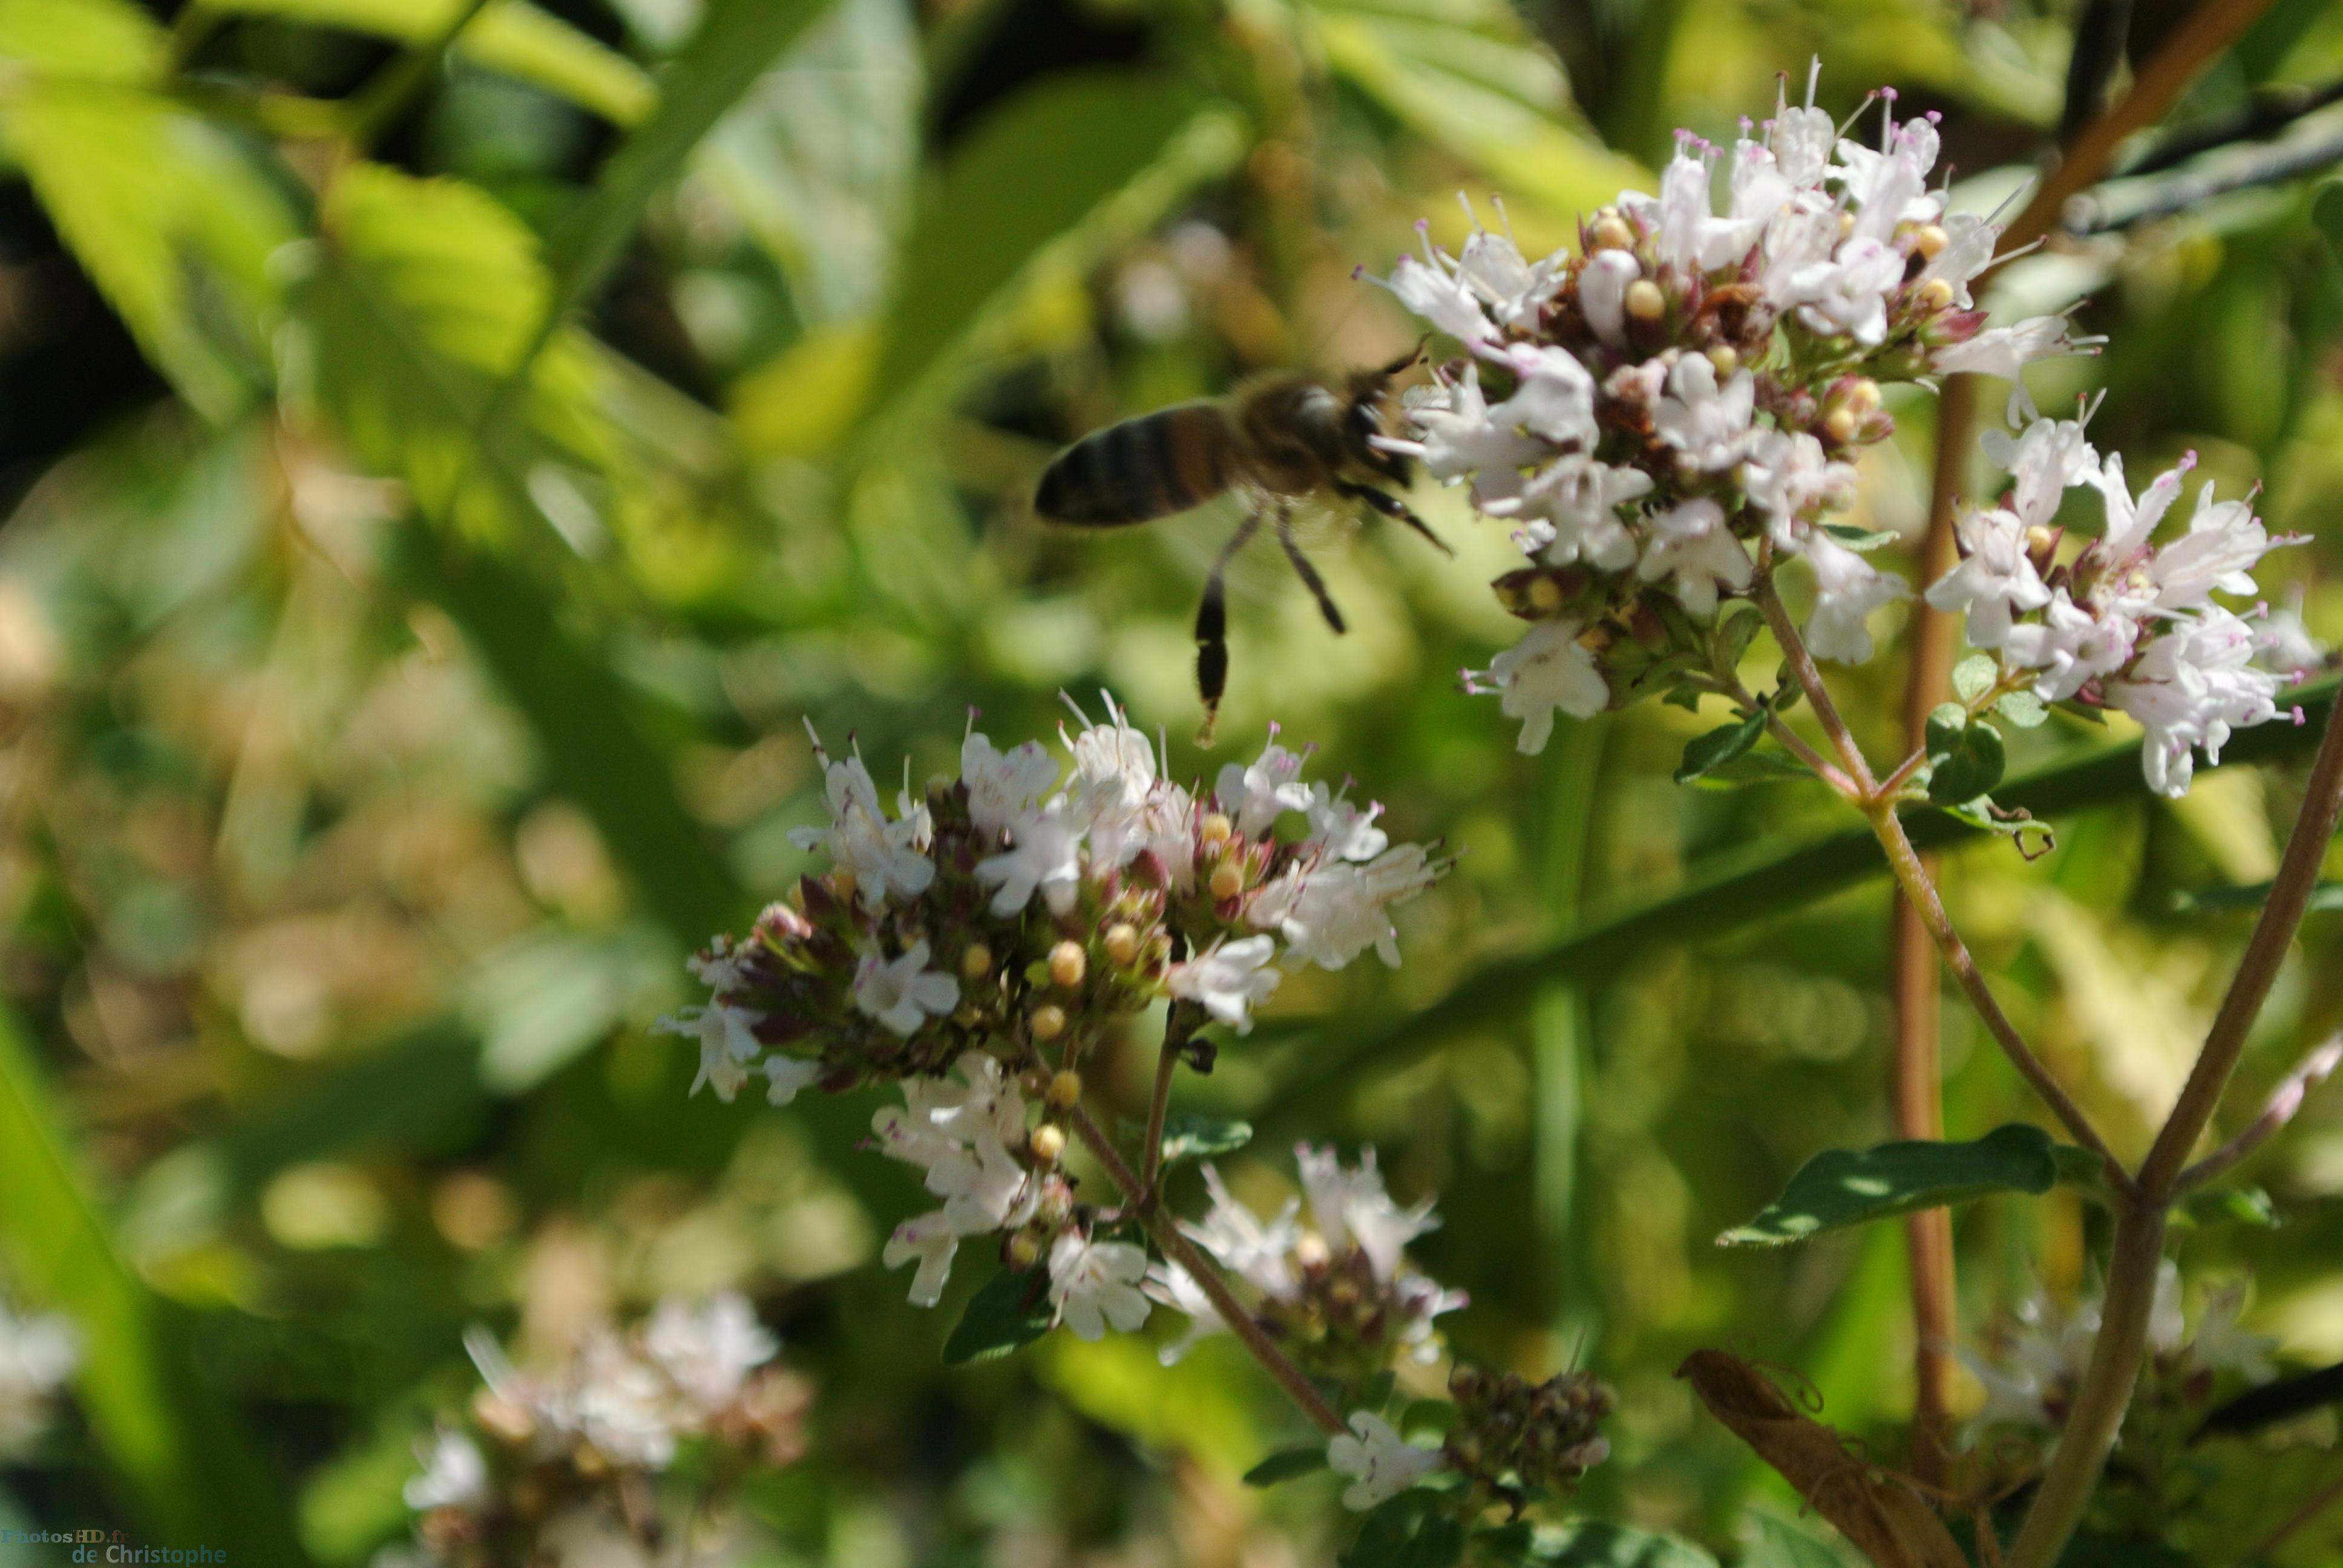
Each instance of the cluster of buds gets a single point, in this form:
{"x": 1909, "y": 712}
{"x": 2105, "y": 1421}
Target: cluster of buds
{"x": 2034, "y": 1364}
{"x": 1514, "y": 1435}
{"x": 2123, "y": 622}
{"x": 1689, "y": 386}
{"x": 1014, "y": 911}
{"x": 37, "y": 1355}
{"x": 1337, "y": 1294}
{"x": 549, "y": 1459}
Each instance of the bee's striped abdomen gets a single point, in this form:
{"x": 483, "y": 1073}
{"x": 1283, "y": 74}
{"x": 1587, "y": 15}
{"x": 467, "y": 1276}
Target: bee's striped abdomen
{"x": 1149, "y": 466}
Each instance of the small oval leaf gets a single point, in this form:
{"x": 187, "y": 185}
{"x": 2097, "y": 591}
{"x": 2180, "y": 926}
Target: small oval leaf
{"x": 1841, "y": 1188}
{"x": 1011, "y": 1311}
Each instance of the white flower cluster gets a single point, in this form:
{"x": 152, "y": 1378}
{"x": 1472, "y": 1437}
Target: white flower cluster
{"x": 555, "y": 1458}
{"x": 2127, "y": 623}
{"x": 929, "y": 935}
{"x": 1382, "y": 1464}
{"x": 1692, "y": 384}
{"x": 631, "y": 1397}
{"x": 2031, "y": 1378}
{"x": 1338, "y": 1289}
{"x": 37, "y": 1355}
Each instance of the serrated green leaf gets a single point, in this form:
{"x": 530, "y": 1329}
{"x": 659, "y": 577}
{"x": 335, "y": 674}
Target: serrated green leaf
{"x": 2023, "y": 710}
{"x": 1975, "y": 676}
{"x": 185, "y": 1456}
{"x": 1008, "y": 1312}
{"x": 1969, "y": 768}
{"x": 1286, "y": 1464}
{"x": 1841, "y": 1188}
{"x": 1720, "y": 745}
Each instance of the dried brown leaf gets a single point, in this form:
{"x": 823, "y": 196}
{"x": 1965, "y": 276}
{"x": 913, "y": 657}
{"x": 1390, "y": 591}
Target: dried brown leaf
{"x": 1876, "y": 1510}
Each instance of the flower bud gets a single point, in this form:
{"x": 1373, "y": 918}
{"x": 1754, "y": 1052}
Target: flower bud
{"x": 1217, "y": 828}
{"x": 1840, "y": 425}
{"x": 975, "y": 961}
{"x": 1122, "y": 943}
{"x": 1021, "y": 1251}
{"x": 1644, "y": 300}
{"x": 1228, "y": 879}
{"x": 1546, "y": 594}
{"x": 1066, "y": 1089}
{"x": 1725, "y": 359}
{"x": 1049, "y": 1021}
{"x": 1935, "y": 295}
{"x": 1068, "y": 965}
{"x": 1610, "y": 232}
{"x": 1930, "y": 241}
{"x": 1048, "y": 1142}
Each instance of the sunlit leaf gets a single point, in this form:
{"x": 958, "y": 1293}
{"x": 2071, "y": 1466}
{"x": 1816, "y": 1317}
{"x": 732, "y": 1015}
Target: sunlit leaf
{"x": 1719, "y": 747}
{"x": 1840, "y": 1188}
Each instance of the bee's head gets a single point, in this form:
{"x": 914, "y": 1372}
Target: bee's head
{"x": 1363, "y": 419}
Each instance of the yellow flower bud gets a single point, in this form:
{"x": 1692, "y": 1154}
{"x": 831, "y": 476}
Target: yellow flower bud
{"x": 1217, "y": 829}
{"x": 1228, "y": 879}
{"x": 1644, "y": 300}
{"x": 1545, "y": 595}
{"x": 1048, "y": 1142}
{"x": 1049, "y": 1021}
{"x": 1066, "y": 1089}
{"x": 1068, "y": 965}
{"x": 1936, "y": 294}
{"x": 1610, "y": 233}
{"x": 1725, "y": 358}
{"x": 1022, "y": 1251}
{"x": 1930, "y": 241}
{"x": 1122, "y": 942}
{"x": 975, "y": 961}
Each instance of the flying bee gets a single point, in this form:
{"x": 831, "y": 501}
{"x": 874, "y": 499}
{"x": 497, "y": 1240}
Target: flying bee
{"x": 1283, "y": 443}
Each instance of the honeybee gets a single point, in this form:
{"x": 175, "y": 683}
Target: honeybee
{"x": 1284, "y": 442}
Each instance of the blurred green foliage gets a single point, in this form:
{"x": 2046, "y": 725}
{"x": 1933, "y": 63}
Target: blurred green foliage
{"x": 451, "y": 448}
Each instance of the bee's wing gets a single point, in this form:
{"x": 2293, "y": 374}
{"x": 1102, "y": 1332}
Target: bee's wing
{"x": 1151, "y": 467}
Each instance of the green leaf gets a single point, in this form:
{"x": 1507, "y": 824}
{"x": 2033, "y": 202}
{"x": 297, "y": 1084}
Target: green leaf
{"x": 1762, "y": 765}
{"x": 1721, "y": 896}
{"x": 2096, "y": 1549}
{"x": 1031, "y": 173}
{"x": 1706, "y": 752}
{"x": 1008, "y": 1312}
{"x": 2326, "y": 898}
{"x": 1841, "y": 1188}
{"x": 506, "y": 36}
{"x": 2023, "y": 709}
{"x": 1859, "y": 539}
{"x": 183, "y": 1453}
{"x": 1469, "y": 76}
{"x": 1777, "y": 1544}
{"x": 1286, "y": 1464}
{"x": 2327, "y": 216}
{"x": 2248, "y": 1206}
{"x": 1975, "y": 676}
{"x": 1410, "y": 1531}
{"x": 1189, "y": 1136}
{"x": 1588, "y": 1543}
{"x": 1966, "y": 762}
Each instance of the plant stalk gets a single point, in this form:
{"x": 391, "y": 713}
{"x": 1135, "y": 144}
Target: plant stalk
{"x": 1158, "y": 1105}
{"x": 1208, "y": 1277}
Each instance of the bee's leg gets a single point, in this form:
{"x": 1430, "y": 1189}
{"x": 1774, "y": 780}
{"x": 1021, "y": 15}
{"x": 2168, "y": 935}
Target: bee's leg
{"x": 1305, "y": 571}
{"x": 1390, "y": 506}
{"x": 1213, "y": 630}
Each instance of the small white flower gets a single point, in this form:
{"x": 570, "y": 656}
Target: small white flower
{"x": 1690, "y": 545}
{"x": 1707, "y": 425}
{"x": 1970, "y": 242}
{"x": 1548, "y": 669}
{"x": 1494, "y": 270}
{"x": 1256, "y": 796}
{"x": 1579, "y": 499}
{"x": 710, "y": 1347}
{"x": 2221, "y": 1345}
{"x": 1848, "y": 293}
{"x": 720, "y": 967}
{"x": 1554, "y": 396}
{"x": 1790, "y": 478}
{"x": 1383, "y": 1463}
{"x": 2006, "y": 351}
{"x": 984, "y": 1186}
{"x": 1003, "y": 785}
{"x": 1341, "y": 829}
{"x": 932, "y": 1240}
{"x": 1446, "y": 301}
{"x": 1094, "y": 1284}
{"x": 727, "y": 1043}
{"x": 2070, "y": 646}
{"x": 785, "y": 1075}
{"x": 1332, "y": 913}
{"x": 453, "y": 1475}
{"x": 609, "y": 1397}
{"x": 1260, "y": 1254}
{"x": 2130, "y": 524}
{"x": 1351, "y": 1207}
{"x": 2190, "y": 688}
{"x": 1044, "y": 855}
{"x": 1228, "y": 980}
{"x": 2284, "y": 645}
{"x": 882, "y": 856}
{"x": 901, "y": 993}
{"x": 2224, "y": 543}
{"x": 1603, "y": 293}
{"x": 1172, "y": 1286}
{"x": 2048, "y": 458}
{"x": 1996, "y": 580}
{"x": 1847, "y": 590}
{"x": 1459, "y": 436}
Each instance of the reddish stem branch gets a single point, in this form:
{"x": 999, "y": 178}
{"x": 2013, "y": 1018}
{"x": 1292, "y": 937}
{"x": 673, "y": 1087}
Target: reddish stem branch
{"x": 2277, "y": 1111}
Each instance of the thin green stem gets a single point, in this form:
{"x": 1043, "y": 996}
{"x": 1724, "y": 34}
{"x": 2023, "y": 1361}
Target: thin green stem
{"x": 1208, "y": 1278}
{"x": 386, "y": 98}
{"x": 1810, "y": 678}
{"x": 1177, "y": 1026}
